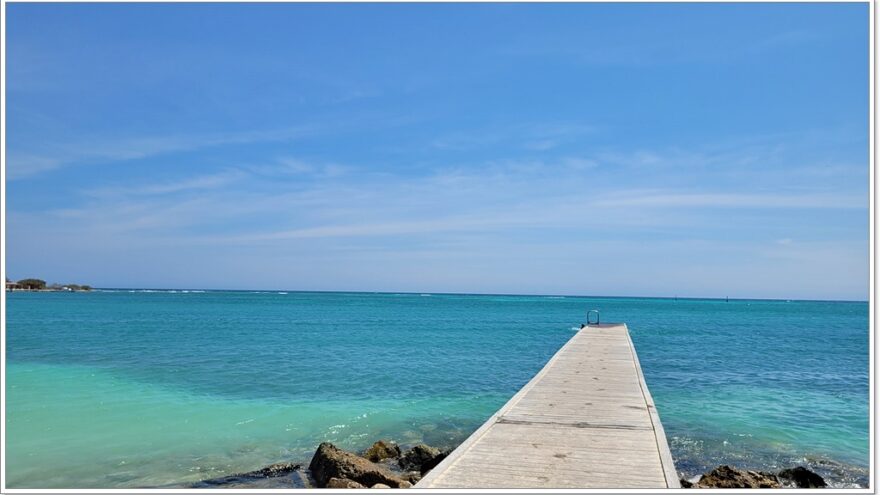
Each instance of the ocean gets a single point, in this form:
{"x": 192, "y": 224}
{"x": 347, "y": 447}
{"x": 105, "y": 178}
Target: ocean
{"x": 134, "y": 388}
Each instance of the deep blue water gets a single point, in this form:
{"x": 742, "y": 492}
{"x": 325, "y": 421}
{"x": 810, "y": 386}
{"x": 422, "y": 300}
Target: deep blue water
{"x": 136, "y": 389}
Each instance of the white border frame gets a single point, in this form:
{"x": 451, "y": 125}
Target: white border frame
{"x": 872, "y": 235}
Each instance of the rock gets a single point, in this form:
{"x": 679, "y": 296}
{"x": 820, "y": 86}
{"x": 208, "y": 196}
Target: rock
{"x": 685, "y": 483}
{"x": 331, "y": 462}
{"x": 280, "y": 475}
{"x": 803, "y": 477}
{"x": 412, "y": 476}
{"x": 421, "y": 458}
{"x": 405, "y": 484}
{"x": 382, "y": 450}
{"x": 380, "y": 486}
{"x": 728, "y": 477}
{"x": 272, "y": 470}
{"x": 342, "y": 483}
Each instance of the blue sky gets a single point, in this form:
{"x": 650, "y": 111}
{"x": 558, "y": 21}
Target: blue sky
{"x": 602, "y": 149}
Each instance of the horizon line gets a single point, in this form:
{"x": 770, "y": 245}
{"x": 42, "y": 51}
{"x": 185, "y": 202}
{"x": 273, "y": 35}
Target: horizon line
{"x": 674, "y": 297}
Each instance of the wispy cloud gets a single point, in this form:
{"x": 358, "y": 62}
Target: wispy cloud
{"x": 366, "y": 206}
{"x": 25, "y": 164}
{"x": 427, "y": 226}
{"x": 189, "y": 184}
{"x": 104, "y": 150}
{"x": 728, "y": 200}
{"x": 598, "y": 47}
{"x": 535, "y": 137}
{"x": 297, "y": 198}
{"x": 290, "y": 166}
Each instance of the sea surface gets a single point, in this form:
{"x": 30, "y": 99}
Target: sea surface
{"x": 122, "y": 389}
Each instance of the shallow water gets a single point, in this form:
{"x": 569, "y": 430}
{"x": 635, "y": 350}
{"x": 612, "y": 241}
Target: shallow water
{"x": 143, "y": 389}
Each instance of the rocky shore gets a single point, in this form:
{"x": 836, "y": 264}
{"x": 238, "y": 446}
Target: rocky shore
{"x": 386, "y": 465}
{"x": 383, "y": 465}
{"x": 730, "y": 477}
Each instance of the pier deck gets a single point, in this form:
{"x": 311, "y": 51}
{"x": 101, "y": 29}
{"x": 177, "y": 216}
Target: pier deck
{"x": 586, "y": 420}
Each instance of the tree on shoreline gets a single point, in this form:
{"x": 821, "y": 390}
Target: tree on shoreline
{"x": 38, "y": 284}
{"x": 32, "y": 284}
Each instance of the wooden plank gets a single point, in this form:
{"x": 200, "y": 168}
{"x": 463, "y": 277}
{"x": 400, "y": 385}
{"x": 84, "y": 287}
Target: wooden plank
{"x": 586, "y": 420}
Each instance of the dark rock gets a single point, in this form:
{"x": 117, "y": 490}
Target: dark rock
{"x": 342, "y": 483}
{"x": 272, "y": 470}
{"x": 382, "y": 450}
{"x": 421, "y": 458}
{"x": 272, "y": 476}
{"x": 331, "y": 462}
{"x": 803, "y": 477}
{"x": 431, "y": 465}
{"x": 412, "y": 476}
{"x": 728, "y": 477}
{"x": 685, "y": 483}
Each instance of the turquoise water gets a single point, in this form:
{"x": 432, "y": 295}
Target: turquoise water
{"x": 146, "y": 389}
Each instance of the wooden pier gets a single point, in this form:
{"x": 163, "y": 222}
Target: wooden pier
{"x": 586, "y": 420}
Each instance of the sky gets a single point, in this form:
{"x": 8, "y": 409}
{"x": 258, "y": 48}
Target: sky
{"x": 690, "y": 150}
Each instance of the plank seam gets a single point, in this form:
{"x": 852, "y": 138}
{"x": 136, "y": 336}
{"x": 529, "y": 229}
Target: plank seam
{"x": 576, "y": 424}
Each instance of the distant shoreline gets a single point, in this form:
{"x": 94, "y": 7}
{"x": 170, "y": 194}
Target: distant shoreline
{"x": 473, "y": 294}
{"x": 50, "y": 290}
{"x": 40, "y": 285}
